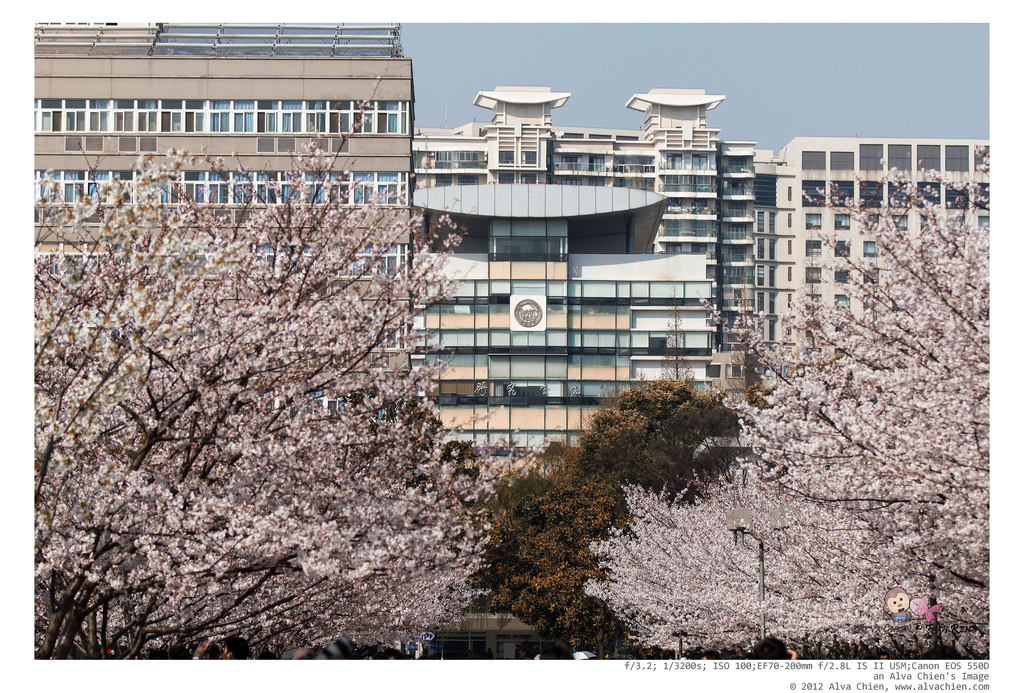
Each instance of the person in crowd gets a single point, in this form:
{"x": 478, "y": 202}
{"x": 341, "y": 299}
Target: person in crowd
{"x": 235, "y": 647}
{"x": 207, "y": 650}
{"x": 941, "y": 652}
{"x": 556, "y": 652}
{"x": 772, "y": 648}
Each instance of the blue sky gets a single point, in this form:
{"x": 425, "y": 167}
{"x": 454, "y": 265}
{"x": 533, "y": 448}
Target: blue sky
{"x": 780, "y": 80}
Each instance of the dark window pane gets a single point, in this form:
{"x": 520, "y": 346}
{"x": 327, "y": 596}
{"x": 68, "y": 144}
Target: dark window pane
{"x": 871, "y": 157}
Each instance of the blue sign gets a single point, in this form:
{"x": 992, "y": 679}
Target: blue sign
{"x": 434, "y": 645}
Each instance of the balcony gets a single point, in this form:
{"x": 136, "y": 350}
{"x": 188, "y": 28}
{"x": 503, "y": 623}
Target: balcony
{"x": 694, "y": 210}
{"x": 592, "y": 169}
{"x": 738, "y": 192}
{"x": 738, "y": 170}
{"x": 741, "y": 236}
{"x": 737, "y": 217}
{"x": 632, "y": 169}
{"x": 709, "y": 168}
{"x": 448, "y": 165}
{"x": 684, "y": 188}
{"x": 738, "y": 304}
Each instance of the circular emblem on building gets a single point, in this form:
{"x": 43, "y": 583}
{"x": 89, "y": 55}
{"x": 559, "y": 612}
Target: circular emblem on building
{"x": 528, "y": 313}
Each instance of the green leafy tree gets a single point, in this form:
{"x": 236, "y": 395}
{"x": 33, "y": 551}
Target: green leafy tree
{"x": 660, "y": 435}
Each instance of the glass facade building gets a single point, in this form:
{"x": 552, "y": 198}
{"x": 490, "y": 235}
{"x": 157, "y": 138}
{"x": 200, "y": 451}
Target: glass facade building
{"x": 561, "y": 304}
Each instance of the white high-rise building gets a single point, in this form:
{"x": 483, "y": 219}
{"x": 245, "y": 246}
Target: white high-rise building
{"x": 745, "y": 219}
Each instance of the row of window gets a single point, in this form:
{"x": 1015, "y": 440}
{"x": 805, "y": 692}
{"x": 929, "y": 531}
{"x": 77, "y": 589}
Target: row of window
{"x": 212, "y": 187}
{"x": 586, "y": 289}
{"x": 224, "y": 116}
{"x": 900, "y": 157}
{"x": 574, "y": 341}
{"x": 817, "y": 192}
{"x": 839, "y": 276}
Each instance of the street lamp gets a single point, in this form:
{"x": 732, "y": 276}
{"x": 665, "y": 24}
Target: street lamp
{"x": 738, "y": 520}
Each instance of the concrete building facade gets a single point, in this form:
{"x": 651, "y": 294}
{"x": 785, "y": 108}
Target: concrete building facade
{"x": 254, "y": 94}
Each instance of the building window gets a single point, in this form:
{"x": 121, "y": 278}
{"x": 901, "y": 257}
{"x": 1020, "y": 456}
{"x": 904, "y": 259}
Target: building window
{"x": 529, "y": 158}
{"x": 506, "y": 157}
{"x": 789, "y": 245}
{"x": 771, "y": 223}
{"x": 981, "y": 199}
{"x": 771, "y": 249}
{"x": 955, "y": 199}
{"x": 789, "y": 193}
{"x": 842, "y": 277}
{"x": 813, "y": 275}
{"x": 814, "y": 193}
{"x": 929, "y": 157}
{"x": 760, "y": 301}
{"x": 983, "y": 222}
{"x": 812, "y": 248}
{"x": 572, "y": 181}
{"x": 842, "y": 249}
{"x": 789, "y": 274}
{"x": 468, "y": 180}
{"x": 771, "y": 275}
{"x": 442, "y": 180}
{"x": 789, "y": 220}
{"x": 528, "y": 177}
{"x": 771, "y": 330}
{"x": 871, "y": 157}
{"x": 871, "y": 193}
{"x": 812, "y": 222}
{"x": 869, "y": 249}
{"x": 760, "y": 249}
{"x": 842, "y": 192}
{"x": 900, "y": 157}
{"x": 760, "y": 222}
{"x": 842, "y": 301}
{"x": 813, "y": 161}
{"x": 930, "y": 193}
{"x": 760, "y": 275}
{"x": 841, "y": 161}
{"x": 980, "y": 154}
{"x": 842, "y": 222}
{"x": 765, "y": 189}
{"x": 897, "y": 195}
{"x": 771, "y": 303}
{"x": 957, "y": 157}
{"x": 506, "y": 177}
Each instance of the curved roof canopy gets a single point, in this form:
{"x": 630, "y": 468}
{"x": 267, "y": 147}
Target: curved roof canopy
{"x": 640, "y": 102}
{"x": 590, "y": 210}
{"x": 488, "y": 99}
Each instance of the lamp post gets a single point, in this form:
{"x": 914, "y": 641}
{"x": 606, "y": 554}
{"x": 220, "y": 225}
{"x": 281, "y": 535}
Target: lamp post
{"x": 737, "y": 521}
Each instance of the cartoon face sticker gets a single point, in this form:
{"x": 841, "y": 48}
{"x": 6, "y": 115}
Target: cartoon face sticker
{"x": 897, "y": 602}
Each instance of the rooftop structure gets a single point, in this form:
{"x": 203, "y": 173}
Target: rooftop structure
{"x": 219, "y": 39}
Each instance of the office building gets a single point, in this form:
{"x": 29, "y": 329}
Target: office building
{"x": 254, "y": 94}
{"x": 735, "y": 227}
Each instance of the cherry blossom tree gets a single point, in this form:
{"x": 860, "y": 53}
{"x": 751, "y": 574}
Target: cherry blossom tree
{"x": 875, "y": 431}
{"x": 210, "y": 455}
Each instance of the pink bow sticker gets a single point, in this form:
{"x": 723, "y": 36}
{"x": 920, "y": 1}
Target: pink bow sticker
{"x": 920, "y": 607}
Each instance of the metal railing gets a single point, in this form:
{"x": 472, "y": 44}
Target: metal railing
{"x": 581, "y": 168}
{"x": 685, "y": 188}
{"x": 683, "y": 166}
